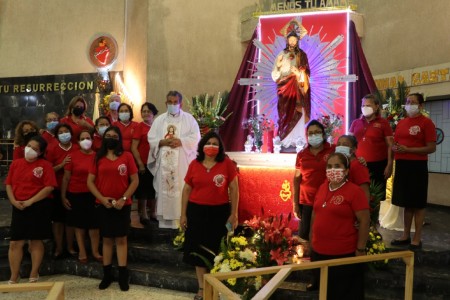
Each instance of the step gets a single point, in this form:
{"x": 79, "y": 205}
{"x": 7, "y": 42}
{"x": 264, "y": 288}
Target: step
{"x": 139, "y": 251}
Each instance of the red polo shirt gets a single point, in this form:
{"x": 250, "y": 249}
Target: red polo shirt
{"x": 414, "y": 132}
{"x": 127, "y": 131}
{"x": 313, "y": 170}
{"x": 140, "y": 133}
{"x": 76, "y": 129}
{"x": 79, "y": 169}
{"x": 371, "y": 137}
{"x": 358, "y": 173}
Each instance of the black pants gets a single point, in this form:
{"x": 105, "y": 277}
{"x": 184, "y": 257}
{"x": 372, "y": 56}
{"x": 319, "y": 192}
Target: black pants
{"x": 376, "y": 169}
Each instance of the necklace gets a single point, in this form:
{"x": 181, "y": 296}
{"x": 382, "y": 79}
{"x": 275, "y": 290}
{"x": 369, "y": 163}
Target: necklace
{"x": 330, "y": 189}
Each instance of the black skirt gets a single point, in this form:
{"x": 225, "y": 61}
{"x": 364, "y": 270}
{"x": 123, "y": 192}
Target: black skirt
{"x": 114, "y": 223}
{"x": 83, "y": 213}
{"x": 410, "y": 187}
{"x": 59, "y": 212}
{"x": 206, "y": 228}
{"x": 145, "y": 188}
{"x": 32, "y": 223}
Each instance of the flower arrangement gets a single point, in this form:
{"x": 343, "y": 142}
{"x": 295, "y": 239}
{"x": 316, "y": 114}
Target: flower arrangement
{"x": 332, "y": 124}
{"x": 375, "y": 245}
{"x": 104, "y": 103}
{"x": 178, "y": 240}
{"x": 208, "y": 113}
{"x": 394, "y": 111}
{"x": 258, "y": 124}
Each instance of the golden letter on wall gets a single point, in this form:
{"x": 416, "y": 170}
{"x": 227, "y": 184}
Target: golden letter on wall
{"x": 285, "y": 193}
{"x": 415, "y": 79}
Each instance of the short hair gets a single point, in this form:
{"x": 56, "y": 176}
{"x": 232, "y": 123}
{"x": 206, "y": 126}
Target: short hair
{"x": 129, "y": 109}
{"x": 63, "y": 125}
{"x": 42, "y": 144}
{"x": 201, "y": 154}
{"x": 419, "y": 97}
{"x": 351, "y": 138}
{"x": 175, "y": 94}
{"x": 102, "y": 117}
{"x": 151, "y": 107}
{"x": 91, "y": 133}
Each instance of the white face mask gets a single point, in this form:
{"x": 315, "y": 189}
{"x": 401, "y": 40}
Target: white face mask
{"x": 315, "y": 140}
{"x": 64, "y": 137}
{"x": 114, "y": 105}
{"x": 173, "y": 109}
{"x": 86, "y": 144}
{"x": 30, "y": 154}
{"x": 367, "y": 111}
{"x": 343, "y": 149}
{"x": 124, "y": 116}
{"x": 102, "y": 129}
{"x": 412, "y": 109}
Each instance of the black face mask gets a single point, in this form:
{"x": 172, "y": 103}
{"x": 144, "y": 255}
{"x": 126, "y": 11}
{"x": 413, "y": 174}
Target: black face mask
{"x": 111, "y": 144}
{"x": 27, "y": 137}
{"x": 78, "y": 111}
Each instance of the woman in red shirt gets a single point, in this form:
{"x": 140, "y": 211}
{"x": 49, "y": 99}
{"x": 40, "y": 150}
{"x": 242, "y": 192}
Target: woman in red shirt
{"x": 415, "y": 138}
{"x": 25, "y": 130}
{"x": 375, "y": 139}
{"x": 51, "y": 120}
{"x": 209, "y": 203}
{"x": 113, "y": 179}
{"x": 29, "y": 185}
{"x": 310, "y": 168}
{"x": 76, "y": 117}
{"x": 101, "y": 124}
{"x": 140, "y": 149}
{"x": 358, "y": 173}
{"x": 76, "y": 198}
{"x": 59, "y": 154}
{"x": 338, "y": 204}
{"x": 126, "y": 125}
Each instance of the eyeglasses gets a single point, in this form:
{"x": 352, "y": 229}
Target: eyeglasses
{"x": 314, "y": 133}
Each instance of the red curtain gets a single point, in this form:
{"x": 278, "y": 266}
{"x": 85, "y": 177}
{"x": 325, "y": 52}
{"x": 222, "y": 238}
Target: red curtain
{"x": 358, "y": 66}
{"x": 231, "y": 131}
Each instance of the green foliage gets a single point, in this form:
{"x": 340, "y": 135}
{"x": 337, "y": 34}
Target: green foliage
{"x": 210, "y": 113}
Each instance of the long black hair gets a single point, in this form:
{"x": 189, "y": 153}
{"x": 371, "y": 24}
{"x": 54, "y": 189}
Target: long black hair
{"x": 42, "y": 144}
{"x": 211, "y": 134}
{"x": 103, "y": 150}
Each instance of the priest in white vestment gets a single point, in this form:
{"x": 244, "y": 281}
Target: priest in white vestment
{"x": 173, "y": 140}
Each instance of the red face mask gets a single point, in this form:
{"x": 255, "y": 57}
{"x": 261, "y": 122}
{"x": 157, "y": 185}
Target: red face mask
{"x": 211, "y": 150}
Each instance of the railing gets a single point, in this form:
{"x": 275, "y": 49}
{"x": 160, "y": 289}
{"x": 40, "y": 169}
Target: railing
{"x": 213, "y": 285}
{"x": 55, "y": 289}
{"x": 6, "y": 155}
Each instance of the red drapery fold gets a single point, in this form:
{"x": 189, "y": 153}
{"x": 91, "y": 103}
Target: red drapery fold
{"x": 231, "y": 131}
{"x": 358, "y": 66}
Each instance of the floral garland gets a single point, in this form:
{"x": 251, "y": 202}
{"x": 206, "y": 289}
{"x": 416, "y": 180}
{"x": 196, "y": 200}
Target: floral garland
{"x": 104, "y": 103}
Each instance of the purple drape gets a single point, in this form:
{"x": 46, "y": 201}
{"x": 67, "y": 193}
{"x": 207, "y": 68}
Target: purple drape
{"x": 358, "y": 66}
{"x": 231, "y": 132}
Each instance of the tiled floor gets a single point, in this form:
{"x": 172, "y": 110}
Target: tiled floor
{"x": 87, "y": 288}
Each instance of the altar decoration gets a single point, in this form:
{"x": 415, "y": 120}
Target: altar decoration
{"x": 209, "y": 113}
{"x": 104, "y": 104}
{"x": 268, "y": 242}
{"x": 332, "y": 124}
{"x": 258, "y": 125}
{"x": 178, "y": 240}
{"x": 375, "y": 245}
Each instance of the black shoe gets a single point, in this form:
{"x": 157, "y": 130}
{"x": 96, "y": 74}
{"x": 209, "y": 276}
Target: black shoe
{"x": 124, "y": 279}
{"x": 107, "y": 277}
{"x": 413, "y": 247}
{"x": 144, "y": 221}
{"x": 397, "y": 242}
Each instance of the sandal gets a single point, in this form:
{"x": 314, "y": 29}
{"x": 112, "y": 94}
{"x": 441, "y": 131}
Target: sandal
{"x": 33, "y": 279}
{"x": 199, "y": 297}
{"x": 83, "y": 260}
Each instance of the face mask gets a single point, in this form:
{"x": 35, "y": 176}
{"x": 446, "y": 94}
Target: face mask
{"x": 367, "y": 111}
{"x": 101, "y": 130}
{"x": 51, "y": 125}
{"x": 64, "y": 137}
{"x": 412, "y": 109}
{"x": 30, "y": 153}
{"x": 315, "y": 140}
{"x": 173, "y": 109}
{"x": 78, "y": 111}
{"x": 125, "y": 116}
{"x": 85, "y": 144}
{"x": 211, "y": 150}
{"x": 111, "y": 144}
{"x": 335, "y": 175}
{"x": 343, "y": 149}
{"x": 27, "y": 137}
{"x": 114, "y": 105}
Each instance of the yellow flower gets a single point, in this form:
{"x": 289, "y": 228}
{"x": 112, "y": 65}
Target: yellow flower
{"x": 375, "y": 246}
{"x": 231, "y": 281}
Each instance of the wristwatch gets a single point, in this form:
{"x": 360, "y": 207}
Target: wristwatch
{"x": 124, "y": 198}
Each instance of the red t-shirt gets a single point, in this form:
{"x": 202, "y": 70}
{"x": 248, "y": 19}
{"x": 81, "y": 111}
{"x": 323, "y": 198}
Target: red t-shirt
{"x": 79, "y": 169}
{"x": 56, "y": 154}
{"x": 358, "y": 173}
{"x": 333, "y": 229}
{"x": 28, "y": 178}
{"x": 97, "y": 142}
{"x": 210, "y": 188}
{"x": 140, "y": 133}
{"x": 49, "y": 138}
{"x": 414, "y": 132}
{"x": 112, "y": 177}
{"x": 371, "y": 137}
{"x": 127, "y": 133}
{"x": 18, "y": 152}
{"x": 313, "y": 170}
{"x": 76, "y": 129}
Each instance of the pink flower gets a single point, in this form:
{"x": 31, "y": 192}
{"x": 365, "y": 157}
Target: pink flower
{"x": 278, "y": 256}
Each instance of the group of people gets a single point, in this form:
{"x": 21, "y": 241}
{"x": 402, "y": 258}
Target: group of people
{"x": 195, "y": 185}
{"x": 331, "y": 186}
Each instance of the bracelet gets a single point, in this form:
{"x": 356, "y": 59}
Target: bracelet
{"x": 361, "y": 250}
